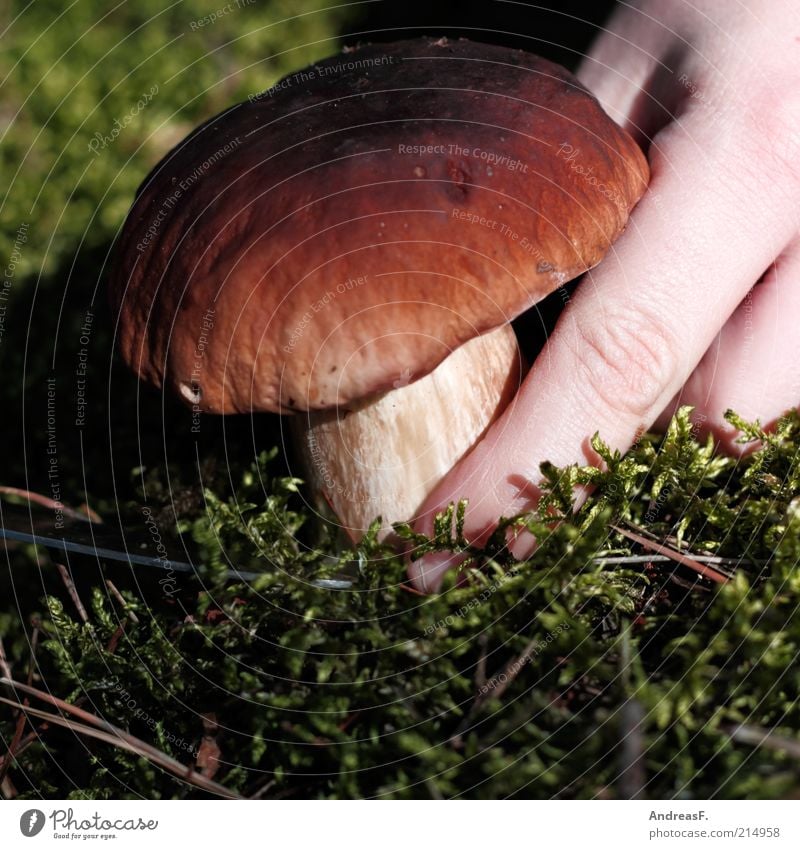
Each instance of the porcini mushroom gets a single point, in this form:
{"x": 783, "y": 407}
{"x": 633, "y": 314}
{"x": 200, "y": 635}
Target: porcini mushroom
{"x": 351, "y": 245}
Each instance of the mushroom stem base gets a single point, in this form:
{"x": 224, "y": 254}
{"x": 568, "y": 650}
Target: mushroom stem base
{"x": 385, "y": 456}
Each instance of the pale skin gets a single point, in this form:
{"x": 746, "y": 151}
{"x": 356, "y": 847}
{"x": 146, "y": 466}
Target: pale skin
{"x": 699, "y": 301}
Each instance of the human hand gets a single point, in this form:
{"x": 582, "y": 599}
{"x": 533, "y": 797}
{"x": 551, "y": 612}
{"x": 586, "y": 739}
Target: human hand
{"x": 672, "y": 316}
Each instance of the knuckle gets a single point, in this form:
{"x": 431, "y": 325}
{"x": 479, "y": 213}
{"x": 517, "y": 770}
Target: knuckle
{"x": 626, "y": 361}
{"x": 772, "y": 130}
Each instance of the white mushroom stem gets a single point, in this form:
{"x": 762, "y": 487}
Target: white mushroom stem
{"x": 385, "y": 456}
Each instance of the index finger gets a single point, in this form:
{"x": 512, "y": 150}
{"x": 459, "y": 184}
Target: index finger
{"x": 638, "y": 324}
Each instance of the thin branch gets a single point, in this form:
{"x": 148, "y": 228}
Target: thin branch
{"x": 263, "y": 789}
{"x": 28, "y": 740}
{"x": 115, "y": 638}
{"x": 124, "y": 604}
{"x": 348, "y": 720}
{"x": 133, "y": 745}
{"x": 764, "y": 737}
{"x": 92, "y": 515}
{"x": 50, "y": 504}
{"x": 5, "y": 669}
{"x": 108, "y": 733}
{"x": 702, "y": 569}
{"x": 624, "y": 559}
{"x": 34, "y": 646}
{"x": 694, "y": 585}
{"x": 13, "y": 749}
{"x": 73, "y": 593}
{"x": 409, "y": 589}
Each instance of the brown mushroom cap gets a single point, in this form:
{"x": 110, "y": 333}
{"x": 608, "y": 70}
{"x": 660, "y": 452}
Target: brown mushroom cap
{"x": 351, "y": 226}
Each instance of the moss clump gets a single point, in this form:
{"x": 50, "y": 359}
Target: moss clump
{"x": 584, "y": 671}
{"x": 93, "y": 98}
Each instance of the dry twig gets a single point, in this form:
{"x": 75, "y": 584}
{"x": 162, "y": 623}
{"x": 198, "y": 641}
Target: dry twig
{"x": 34, "y": 646}
{"x": 93, "y": 726}
{"x": 13, "y": 749}
{"x": 5, "y": 669}
{"x": 50, "y": 504}
{"x": 121, "y": 599}
{"x": 73, "y": 593}
{"x": 705, "y": 570}
{"x": 263, "y": 789}
{"x": 764, "y": 737}
{"x": 115, "y": 638}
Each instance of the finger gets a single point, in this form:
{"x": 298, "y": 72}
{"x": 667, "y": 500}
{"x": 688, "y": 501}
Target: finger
{"x": 630, "y": 71}
{"x": 640, "y": 324}
{"x": 753, "y": 366}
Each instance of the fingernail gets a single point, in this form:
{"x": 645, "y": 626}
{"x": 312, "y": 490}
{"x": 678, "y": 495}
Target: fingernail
{"x": 426, "y": 573}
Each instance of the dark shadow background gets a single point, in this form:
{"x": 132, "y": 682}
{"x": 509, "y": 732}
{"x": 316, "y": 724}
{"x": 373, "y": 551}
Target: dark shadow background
{"x": 561, "y": 32}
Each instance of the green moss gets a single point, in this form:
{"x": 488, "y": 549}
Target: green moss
{"x": 93, "y": 98}
{"x": 377, "y": 691}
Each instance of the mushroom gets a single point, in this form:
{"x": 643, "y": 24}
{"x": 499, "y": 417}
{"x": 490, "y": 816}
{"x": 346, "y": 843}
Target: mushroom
{"x": 351, "y": 244}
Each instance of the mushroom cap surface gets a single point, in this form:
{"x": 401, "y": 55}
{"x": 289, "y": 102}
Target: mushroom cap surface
{"x": 351, "y": 226}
